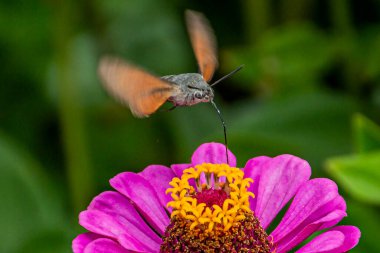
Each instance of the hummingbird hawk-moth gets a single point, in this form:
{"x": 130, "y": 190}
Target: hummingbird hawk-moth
{"x": 144, "y": 93}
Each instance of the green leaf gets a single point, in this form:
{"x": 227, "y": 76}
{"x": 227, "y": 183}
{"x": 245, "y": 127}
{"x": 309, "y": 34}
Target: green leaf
{"x": 366, "y": 53}
{"x": 366, "y": 134}
{"x": 29, "y": 203}
{"x": 358, "y": 174}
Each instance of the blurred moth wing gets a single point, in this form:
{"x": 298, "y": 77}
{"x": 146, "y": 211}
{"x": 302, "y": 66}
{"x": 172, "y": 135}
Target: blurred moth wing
{"x": 141, "y": 91}
{"x": 203, "y": 42}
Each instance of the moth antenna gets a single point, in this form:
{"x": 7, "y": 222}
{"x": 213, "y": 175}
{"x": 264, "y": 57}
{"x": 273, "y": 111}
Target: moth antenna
{"x": 228, "y": 75}
{"x": 224, "y": 127}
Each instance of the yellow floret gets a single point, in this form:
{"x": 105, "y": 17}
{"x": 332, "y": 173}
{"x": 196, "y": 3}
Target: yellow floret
{"x": 185, "y": 205}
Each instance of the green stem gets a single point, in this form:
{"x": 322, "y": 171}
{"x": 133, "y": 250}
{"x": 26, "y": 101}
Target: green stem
{"x": 79, "y": 171}
{"x": 340, "y": 15}
{"x": 344, "y": 41}
{"x": 295, "y": 10}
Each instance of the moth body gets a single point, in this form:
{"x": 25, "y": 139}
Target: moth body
{"x": 192, "y": 89}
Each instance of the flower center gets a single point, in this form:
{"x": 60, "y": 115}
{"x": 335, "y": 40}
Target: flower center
{"x": 220, "y": 196}
{"x": 211, "y": 197}
{"x": 211, "y": 213}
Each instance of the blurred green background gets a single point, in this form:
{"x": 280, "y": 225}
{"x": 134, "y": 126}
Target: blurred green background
{"x": 310, "y": 87}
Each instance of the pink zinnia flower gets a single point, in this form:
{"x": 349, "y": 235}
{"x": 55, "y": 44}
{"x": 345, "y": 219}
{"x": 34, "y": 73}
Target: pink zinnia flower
{"x": 211, "y": 206}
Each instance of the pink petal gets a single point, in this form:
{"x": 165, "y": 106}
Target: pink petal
{"x": 119, "y": 207}
{"x": 212, "y": 153}
{"x": 159, "y": 177}
{"x": 280, "y": 179}
{"x": 294, "y": 239}
{"x": 317, "y": 205}
{"x": 82, "y": 240}
{"x": 253, "y": 169}
{"x": 325, "y": 242}
{"x": 105, "y": 245}
{"x": 126, "y": 233}
{"x": 179, "y": 168}
{"x": 337, "y": 240}
{"x": 144, "y": 197}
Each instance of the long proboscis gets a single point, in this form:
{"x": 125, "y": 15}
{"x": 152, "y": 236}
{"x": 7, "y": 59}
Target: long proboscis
{"x": 228, "y": 75}
{"x": 224, "y": 127}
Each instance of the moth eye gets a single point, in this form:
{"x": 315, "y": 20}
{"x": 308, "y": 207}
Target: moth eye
{"x": 198, "y": 95}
